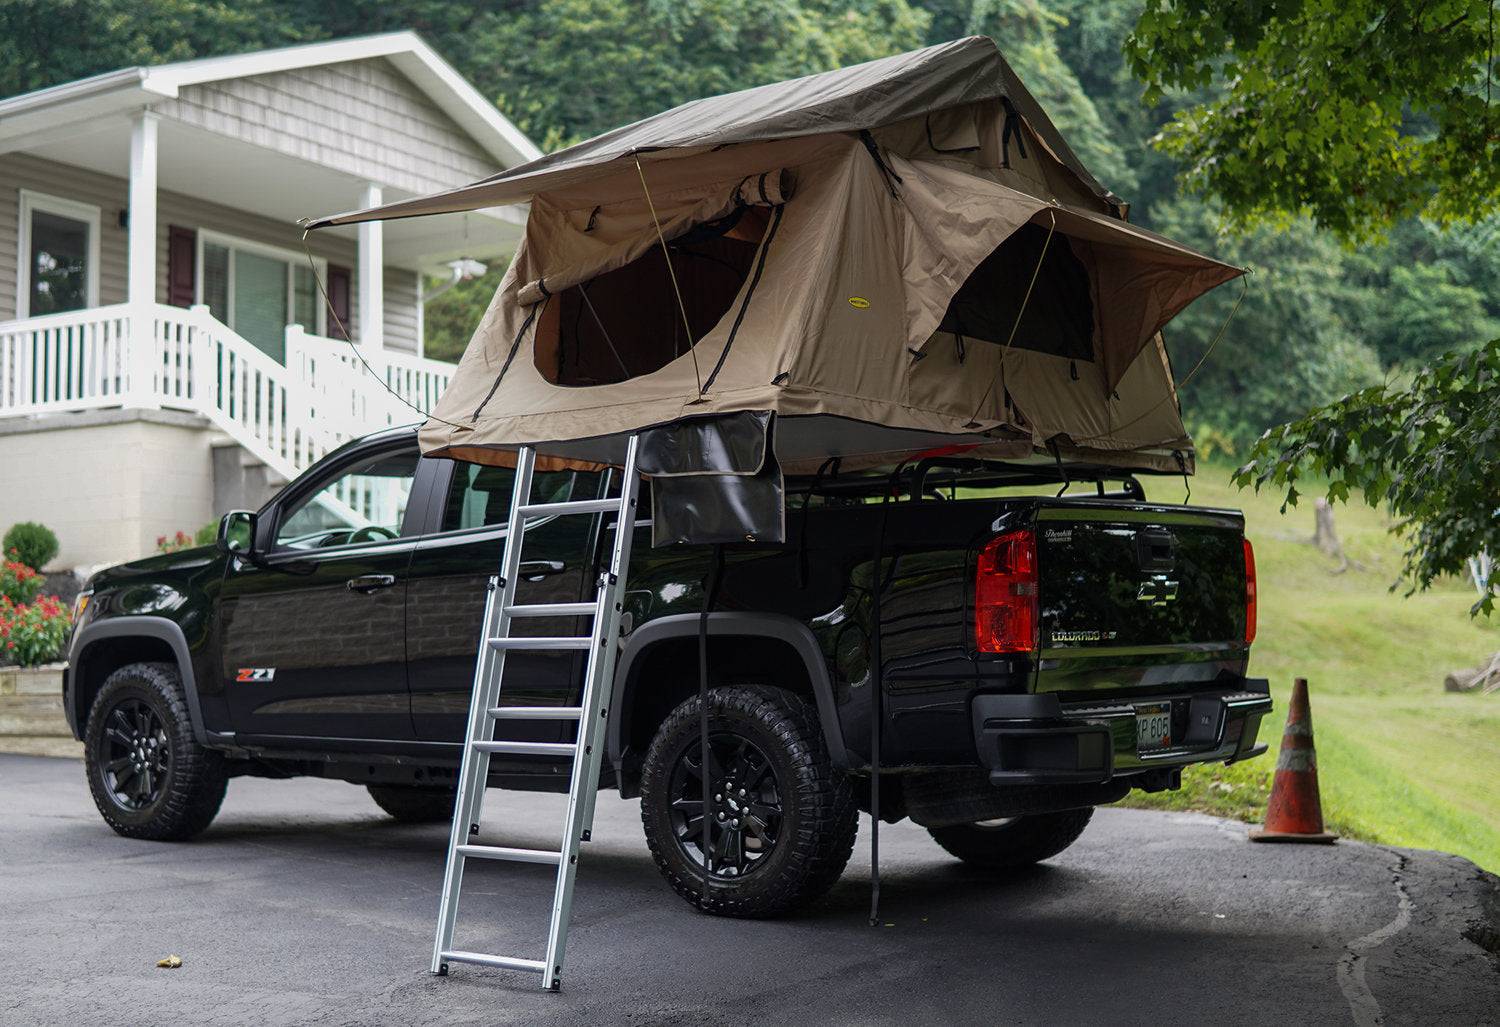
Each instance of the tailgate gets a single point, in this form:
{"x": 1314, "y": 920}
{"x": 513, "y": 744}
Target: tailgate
{"x": 1135, "y": 596}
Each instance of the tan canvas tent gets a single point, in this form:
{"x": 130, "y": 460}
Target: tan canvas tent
{"x": 893, "y": 258}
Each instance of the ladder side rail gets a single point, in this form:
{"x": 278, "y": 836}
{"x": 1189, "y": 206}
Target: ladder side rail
{"x": 463, "y": 795}
{"x": 598, "y": 687}
{"x": 488, "y": 670}
{"x": 510, "y": 574}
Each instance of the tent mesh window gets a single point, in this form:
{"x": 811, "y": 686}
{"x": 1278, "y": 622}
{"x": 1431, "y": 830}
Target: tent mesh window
{"x": 1059, "y": 317}
{"x": 626, "y": 323}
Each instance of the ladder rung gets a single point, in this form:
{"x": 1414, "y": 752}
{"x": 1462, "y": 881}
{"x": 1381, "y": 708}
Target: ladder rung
{"x": 553, "y": 610}
{"x": 542, "y": 643}
{"x": 528, "y": 748}
{"x": 536, "y": 712}
{"x": 576, "y": 506}
{"x": 536, "y": 966}
{"x": 513, "y": 855}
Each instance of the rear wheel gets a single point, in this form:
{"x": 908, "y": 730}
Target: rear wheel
{"x": 414, "y": 804}
{"x": 781, "y": 819}
{"x": 149, "y": 776}
{"x": 1015, "y": 842}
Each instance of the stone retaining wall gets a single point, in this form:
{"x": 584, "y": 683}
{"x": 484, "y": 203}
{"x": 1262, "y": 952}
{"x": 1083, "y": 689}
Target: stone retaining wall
{"x": 31, "y": 712}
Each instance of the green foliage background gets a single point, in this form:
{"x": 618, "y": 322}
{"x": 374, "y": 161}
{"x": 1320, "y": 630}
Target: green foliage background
{"x": 1322, "y": 317}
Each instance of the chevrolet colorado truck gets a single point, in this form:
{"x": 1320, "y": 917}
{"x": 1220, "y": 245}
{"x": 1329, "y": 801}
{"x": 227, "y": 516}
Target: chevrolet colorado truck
{"x": 1043, "y": 654}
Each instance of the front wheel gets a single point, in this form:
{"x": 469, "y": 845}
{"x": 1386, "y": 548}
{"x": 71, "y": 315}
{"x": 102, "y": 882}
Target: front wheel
{"x": 780, "y": 819}
{"x": 149, "y": 776}
{"x": 1013, "y": 843}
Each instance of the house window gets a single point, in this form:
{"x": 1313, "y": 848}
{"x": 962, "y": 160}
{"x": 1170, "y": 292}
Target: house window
{"x": 258, "y": 290}
{"x": 59, "y": 255}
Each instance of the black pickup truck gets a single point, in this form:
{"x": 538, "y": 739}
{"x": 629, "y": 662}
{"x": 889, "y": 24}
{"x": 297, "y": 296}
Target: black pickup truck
{"x": 1043, "y": 654}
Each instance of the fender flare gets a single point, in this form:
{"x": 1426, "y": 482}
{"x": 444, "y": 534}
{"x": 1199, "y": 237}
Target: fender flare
{"x": 134, "y": 627}
{"x": 729, "y": 624}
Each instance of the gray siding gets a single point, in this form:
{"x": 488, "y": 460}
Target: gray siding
{"x": 401, "y": 325}
{"x": 361, "y": 117}
{"x": 22, "y": 171}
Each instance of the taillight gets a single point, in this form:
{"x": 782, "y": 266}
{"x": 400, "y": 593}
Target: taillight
{"x": 1249, "y": 592}
{"x": 1005, "y": 594}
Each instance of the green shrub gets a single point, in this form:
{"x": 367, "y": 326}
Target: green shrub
{"x": 33, "y": 634}
{"x": 31, "y": 544}
{"x": 207, "y": 535}
{"x": 18, "y": 582}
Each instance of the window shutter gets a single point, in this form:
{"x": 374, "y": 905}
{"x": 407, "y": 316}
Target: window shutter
{"x": 182, "y": 252}
{"x": 338, "y": 298}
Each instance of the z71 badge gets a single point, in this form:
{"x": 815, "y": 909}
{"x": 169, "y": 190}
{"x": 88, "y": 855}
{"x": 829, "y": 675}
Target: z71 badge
{"x": 255, "y": 674}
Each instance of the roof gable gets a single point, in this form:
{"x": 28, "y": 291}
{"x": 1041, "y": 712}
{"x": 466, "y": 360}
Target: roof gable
{"x": 437, "y": 80}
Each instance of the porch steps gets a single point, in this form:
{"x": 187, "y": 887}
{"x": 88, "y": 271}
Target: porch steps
{"x": 242, "y": 481}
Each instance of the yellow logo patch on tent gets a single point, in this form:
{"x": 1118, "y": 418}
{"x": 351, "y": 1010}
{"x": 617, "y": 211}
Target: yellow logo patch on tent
{"x": 859, "y": 303}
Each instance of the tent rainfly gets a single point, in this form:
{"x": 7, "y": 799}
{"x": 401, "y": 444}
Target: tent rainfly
{"x": 891, "y": 259}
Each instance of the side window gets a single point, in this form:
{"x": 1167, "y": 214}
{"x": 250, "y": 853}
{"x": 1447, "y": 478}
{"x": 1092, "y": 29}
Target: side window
{"x": 364, "y": 502}
{"x": 479, "y": 496}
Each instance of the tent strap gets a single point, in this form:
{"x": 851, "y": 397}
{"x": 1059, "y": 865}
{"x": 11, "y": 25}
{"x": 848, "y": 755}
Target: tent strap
{"x": 760, "y": 266}
{"x": 515, "y": 347}
{"x": 888, "y": 173}
{"x": 666, "y": 255}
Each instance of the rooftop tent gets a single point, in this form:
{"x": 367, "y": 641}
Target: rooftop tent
{"x": 892, "y": 258}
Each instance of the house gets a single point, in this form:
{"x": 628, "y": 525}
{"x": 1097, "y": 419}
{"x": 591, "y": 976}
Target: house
{"x": 166, "y": 352}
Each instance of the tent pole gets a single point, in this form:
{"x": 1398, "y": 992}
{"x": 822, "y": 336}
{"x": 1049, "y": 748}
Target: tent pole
{"x": 711, "y": 596}
{"x": 877, "y": 698}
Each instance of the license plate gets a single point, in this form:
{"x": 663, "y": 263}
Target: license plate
{"x": 1153, "y": 726}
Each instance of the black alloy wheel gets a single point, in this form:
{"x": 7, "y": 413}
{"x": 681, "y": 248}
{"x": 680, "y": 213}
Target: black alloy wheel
{"x": 745, "y": 814}
{"x": 148, "y": 774}
{"x": 780, "y": 817}
{"x": 137, "y": 756}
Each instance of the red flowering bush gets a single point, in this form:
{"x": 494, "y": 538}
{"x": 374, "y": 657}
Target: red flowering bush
{"x": 32, "y": 634}
{"x": 174, "y": 543}
{"x": 18, "y": 582}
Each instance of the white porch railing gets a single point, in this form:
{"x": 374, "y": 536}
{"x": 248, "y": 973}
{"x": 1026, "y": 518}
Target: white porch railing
{"x": 288, "y": 415}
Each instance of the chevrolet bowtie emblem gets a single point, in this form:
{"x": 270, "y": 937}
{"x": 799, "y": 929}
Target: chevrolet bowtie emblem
{"x": 1157, "y": 591}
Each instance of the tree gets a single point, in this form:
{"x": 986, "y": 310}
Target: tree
{"x": 565, "y": 70}
{"x": 1287, "y": 347}
{"x": 1360, "y": 115}
{"x": 1429, "y": 451}
{"x": 44, "y": 42}
{"x": 1359, "y": 112}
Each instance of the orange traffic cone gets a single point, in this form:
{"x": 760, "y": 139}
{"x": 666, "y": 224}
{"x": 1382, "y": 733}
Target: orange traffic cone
{"x": 1295, "y": 814}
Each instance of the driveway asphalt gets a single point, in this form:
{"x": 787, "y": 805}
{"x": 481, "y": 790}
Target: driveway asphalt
{"x": 304, "y": 904}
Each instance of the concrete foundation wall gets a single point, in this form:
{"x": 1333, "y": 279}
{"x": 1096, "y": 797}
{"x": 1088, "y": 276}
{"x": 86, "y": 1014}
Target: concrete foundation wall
{"x": 108, "y": 482}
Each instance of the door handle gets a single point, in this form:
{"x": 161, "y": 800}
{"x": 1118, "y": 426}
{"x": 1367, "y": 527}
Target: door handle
{"x": 367, "y": 583}
{"x": 536, "y": 570}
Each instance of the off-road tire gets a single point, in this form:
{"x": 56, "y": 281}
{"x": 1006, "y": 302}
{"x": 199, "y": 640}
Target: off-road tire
{"x": 1014, "y": 843}
{"x": 414, "y": 804}
{"x": 193, "y": 783}
{"x": 819, "y": 814}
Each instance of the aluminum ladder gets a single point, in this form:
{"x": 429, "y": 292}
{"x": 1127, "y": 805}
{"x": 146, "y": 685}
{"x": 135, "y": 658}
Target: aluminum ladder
{"x": 495, "y": 641}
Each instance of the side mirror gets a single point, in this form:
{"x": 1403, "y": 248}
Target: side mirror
{"x": 237, "y": 533}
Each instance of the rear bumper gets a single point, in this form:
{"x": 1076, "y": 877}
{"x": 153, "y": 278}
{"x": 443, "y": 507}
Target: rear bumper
{"x": 1039, "y": 739}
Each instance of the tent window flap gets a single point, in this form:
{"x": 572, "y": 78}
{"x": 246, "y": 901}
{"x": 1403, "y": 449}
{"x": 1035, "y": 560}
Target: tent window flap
{"x": 626, "y": 323}
{"x": 1059, "y": 317}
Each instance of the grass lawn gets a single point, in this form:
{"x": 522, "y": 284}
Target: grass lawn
{"x": 1400, "y": 761}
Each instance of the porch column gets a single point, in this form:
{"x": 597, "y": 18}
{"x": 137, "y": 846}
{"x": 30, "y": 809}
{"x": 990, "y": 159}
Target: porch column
{"x": 140, "y": 280}
{"x": 371, "y": 274}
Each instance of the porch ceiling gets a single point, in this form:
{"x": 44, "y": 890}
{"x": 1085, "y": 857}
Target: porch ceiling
{"x": 201, "y": 164}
